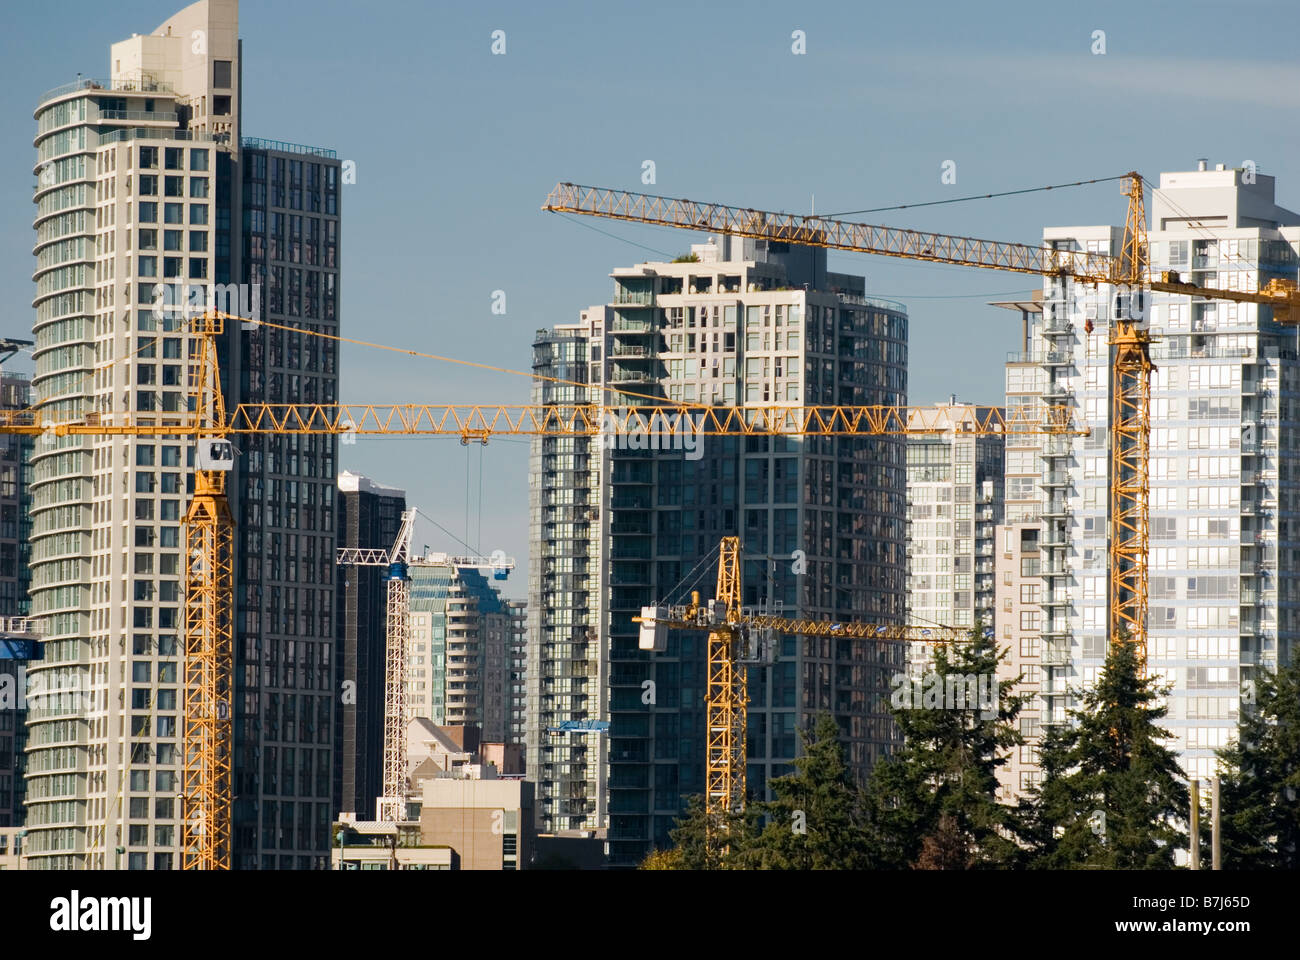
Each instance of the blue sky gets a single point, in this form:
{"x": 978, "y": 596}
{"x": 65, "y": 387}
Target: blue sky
{"x": 455, "y": 150}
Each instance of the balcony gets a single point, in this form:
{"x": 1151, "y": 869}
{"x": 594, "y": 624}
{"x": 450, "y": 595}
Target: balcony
{"x": 1055, "y": 478}
{"x": 624, "y": 325}
{"x": 1055, "y": 655}
{"x": 621, "y": 349}
{"x": 138, "y": 116}
{"x": 630, "y": 376}
{"x": 142, "y": 85}
{"x": 1058, "y": 447}
{"x": 1058, "y": 510}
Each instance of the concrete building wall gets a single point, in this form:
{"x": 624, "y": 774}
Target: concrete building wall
{"x": 11, "y": 847}
{"x": 487, "y": 823}
{"x": 1018, "y": 601}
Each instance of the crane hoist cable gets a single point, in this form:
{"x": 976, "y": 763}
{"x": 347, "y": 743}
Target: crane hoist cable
{"x": 977, "y": 196}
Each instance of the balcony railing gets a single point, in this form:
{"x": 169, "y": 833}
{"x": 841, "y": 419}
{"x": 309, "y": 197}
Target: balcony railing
{"x": 136, "y": 115}
{"x": 283, "y": 146}
{"x": 141, "y": 85}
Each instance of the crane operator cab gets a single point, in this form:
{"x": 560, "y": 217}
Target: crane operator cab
{"x": 1131, "y": 304}
{"x": 215, "y": 453}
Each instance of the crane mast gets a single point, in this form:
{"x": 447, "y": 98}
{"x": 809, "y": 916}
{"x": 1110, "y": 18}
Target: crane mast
{"x": 209, "y": 589}
{"x": 392, "y": 803}
{"x": 1130, "y": 441}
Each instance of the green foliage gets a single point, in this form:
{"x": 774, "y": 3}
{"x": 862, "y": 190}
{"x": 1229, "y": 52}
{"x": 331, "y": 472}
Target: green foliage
{"x": 687, "y": 258}
{"x": 1259, "y": 792}
{"x": 702, "y": 842}
{"x": 1112, "y": 795}
{"x": 663, "y": 860}
{"x": 815, "y": 821}
{"x": 933, "y": 803}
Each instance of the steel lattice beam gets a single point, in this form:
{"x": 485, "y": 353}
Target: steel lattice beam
{"x": 1130, "y": 487}
{"x": 392, "y": 805}
{"x": 209, "y": 587}
{"x": 727, "y": 696}
{"x": 483, "y": 421}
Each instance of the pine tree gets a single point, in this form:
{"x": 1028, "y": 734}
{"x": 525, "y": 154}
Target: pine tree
{"x": 933, "y": 804}
{"x": 1259, "y": 790}
{"x": 815, "y": 821}
{"x": 1113, "y": 795}
{"x": 702, "y": 841}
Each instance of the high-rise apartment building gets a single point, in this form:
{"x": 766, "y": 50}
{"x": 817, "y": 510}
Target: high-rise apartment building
{"x": 622, "y": 522}
{"x": 143, "y": 181}
{"x": 567, "y": 668}
{"x": 517, "y": 676}
{"x": 1224, "y": 427}
{"x": 15, "y": 516}
{"x": 369, "y": 516}
{"x": 458, "y": 666}
{"x": 954, "y": 501}
{"x": 288, "y": 219}
{"x": 17, "y": 645}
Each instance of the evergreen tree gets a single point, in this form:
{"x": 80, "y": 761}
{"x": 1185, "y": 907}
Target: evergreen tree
{"x": 1259, "y": 790}
{"x": 815, "y": 821}
{"x": 1113, "y": 796}
{"x": 703, "y": 842}
{"x": 933, "y": 804}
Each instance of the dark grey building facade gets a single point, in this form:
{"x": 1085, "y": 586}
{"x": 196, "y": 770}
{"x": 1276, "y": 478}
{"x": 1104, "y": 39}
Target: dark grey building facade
{"x": 287, "y": 221}
{"x": 370, "y": 516}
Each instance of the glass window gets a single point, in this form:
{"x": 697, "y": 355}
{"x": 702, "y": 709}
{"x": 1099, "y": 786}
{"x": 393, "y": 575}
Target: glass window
{"x": 175, "y": 158}
{"x": 173, "y": 212}
{"x": 148, "y": 211}
{"x": 172, "y": 239}
{"x": 198, "y": 213}
{"x": 198, "y": 186}
{"x": 198, "y": 158}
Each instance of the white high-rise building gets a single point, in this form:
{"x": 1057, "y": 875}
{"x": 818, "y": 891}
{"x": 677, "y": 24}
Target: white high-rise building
{"x": 1224, "y": 487}
{"x": 954, "y": 500}
{"x": 126, "y": 191}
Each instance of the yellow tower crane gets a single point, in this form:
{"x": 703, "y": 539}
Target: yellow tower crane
{"x": 733, "y": 644}
{"x": 1129, "y": 273}
{"x": 209, "y": 586}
